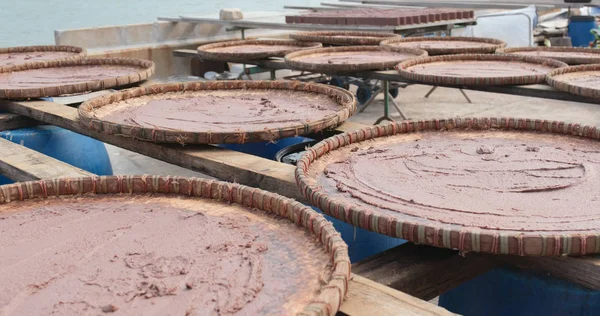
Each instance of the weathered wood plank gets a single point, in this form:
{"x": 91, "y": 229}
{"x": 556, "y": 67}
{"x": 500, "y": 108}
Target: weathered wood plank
{"x": 232, "y": 166}
{"x": 422, "y": 271}
{"x": 20, "y": 163}
{"x": 214, "y": 161}
{"x": 10, "y": 121}
{"x": 368, "y": 298}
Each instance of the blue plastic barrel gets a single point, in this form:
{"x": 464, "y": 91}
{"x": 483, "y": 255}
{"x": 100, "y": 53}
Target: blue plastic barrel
{"x": 266, "y": 150}
{"x": 504, "y": 292}
{"x": 72, "y": 148}
{"x": 579, "y": 30}
{"x": 361, "y": 243}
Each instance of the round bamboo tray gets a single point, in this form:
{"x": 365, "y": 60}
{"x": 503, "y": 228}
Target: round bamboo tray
{"x": 15, "y": 56}
{"x": 454, "y": 44}
{"x": 472, "y": 197}
{"x": 55, "y": 78}
{"x": 252, "y": 106}
{"x": 469, "y": 70}
{"x": 578, "y": 80}
{"x": 569, "y": 55}
{"x": 342, "y": 37}
{"x": 247, "y": 50}
{"x": 340, "y": 59}
{"x": 303, "y": 269}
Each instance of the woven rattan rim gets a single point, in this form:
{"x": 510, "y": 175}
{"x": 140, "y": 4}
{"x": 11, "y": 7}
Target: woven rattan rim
{"x": 573, "y": 89}
{"x": 571, "y": 60}
{"x": 448, "y": 51}
{"x": 146, "y": 70}
{"x": 432, "y": 233}
{"x": 78, "y": 52}
{"x": 342, "y": 37}
{"x": 294, "y": 60}
{"x": 332, "y": 292}
{"x": 476, "y": 81}
{"x": 343, "y": 97}
{"x": 241, "y": 57}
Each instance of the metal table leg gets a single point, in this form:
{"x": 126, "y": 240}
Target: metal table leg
{"x": 465, "y": 95}
{"x": 386, "y": 104}
{"x": 430, "y": 91}
{"x": 461, "y": 91}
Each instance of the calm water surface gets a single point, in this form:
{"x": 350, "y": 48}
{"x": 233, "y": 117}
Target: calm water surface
{"x": 32, "y": 22}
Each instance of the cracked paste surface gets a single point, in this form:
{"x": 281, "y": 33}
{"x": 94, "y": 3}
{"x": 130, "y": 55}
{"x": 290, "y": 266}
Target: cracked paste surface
{"x": 491, "y": 180}
{"x": 15, "y": 58}
{"x": 480, "y": 69}
{"x": 153, "y": 256}
{"x": 215, "y": 111}
{"x": 58, "y": 76}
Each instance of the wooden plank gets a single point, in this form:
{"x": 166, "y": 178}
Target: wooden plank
{"x": 10, "y": 121}
{"x": 211, "y": 160}
{"x": 368, "y": 298}
{"x": 218, "y": 162}
{"x": 20, "y": 163}
{"x": 422, "y": 271}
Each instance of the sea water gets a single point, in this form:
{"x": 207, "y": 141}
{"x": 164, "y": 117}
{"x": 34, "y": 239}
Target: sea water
{"x": 33, "y": 22}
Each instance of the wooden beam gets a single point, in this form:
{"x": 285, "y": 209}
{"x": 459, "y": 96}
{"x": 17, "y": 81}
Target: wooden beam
{"x": 20, "y": 163}
{"x": 368, "y": 298}
{"x": 10, "y": 121}
{"x": 231, "y": 166}
{"x": 218, "y": 162}
{"x": 422, "y": 271}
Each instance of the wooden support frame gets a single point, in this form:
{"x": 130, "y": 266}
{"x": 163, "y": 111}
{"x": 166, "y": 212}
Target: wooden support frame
{"x": 20, "y": 163}
{"x": 536, "y": 91}
{"x": 365, "y": 297}
{"x": 278, "y": 177}
{"x": 10, "y": 121}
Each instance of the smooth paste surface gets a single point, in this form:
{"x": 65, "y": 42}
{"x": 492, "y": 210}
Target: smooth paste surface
{"x": 153, "y": 256}
{"x": 556, "y": 54}
{"x": 213, "y": 111}
{"x": 58, "y": 76}
{"x": 443, "y": 44}
{"x": 354, "y": 57}
{"x": 480, "y": 69}
{"x": 254, "y": 48}
{"x": 26, "y": 57}
{"x": 584, "y": 79}
{"x": 497, "y": 180}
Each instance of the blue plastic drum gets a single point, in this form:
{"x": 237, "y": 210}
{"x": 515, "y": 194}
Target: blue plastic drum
{"x": 361, "y": 243}
{"x": 579, "y": 30}
{"x": 504, "y": 292}
{"x": 72, "y": 148}
{"x": 266, "y": 150}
